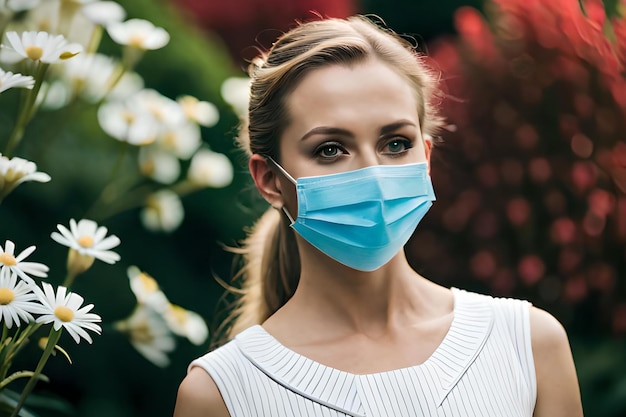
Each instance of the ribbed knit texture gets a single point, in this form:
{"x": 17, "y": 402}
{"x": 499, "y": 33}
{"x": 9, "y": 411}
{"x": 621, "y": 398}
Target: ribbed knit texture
{"x": 483, "y": 367}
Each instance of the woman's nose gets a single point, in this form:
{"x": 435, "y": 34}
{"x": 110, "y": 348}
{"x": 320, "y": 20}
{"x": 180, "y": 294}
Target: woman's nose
{"x": 367, "y": 158}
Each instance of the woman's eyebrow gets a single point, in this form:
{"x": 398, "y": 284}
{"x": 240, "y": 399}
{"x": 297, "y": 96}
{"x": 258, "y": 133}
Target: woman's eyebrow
{"x": 395, "y": 126}
{"x": 326, "y": 130}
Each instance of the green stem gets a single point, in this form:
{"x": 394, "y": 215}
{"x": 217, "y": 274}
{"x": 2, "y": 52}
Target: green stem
{"x": 20, "y": 374}
{"x": 18, "y": 342}
{"x": 69, "y": 280}
{"x": 109, "y": 191}
{"x": 27, "y": 110}
{"x": 185, "y": 187}
{"x": 5, "y": 352}
{"x": 53, "y": 338}
{"x": 5, "y": 332}
{"x": 94, "y": 39}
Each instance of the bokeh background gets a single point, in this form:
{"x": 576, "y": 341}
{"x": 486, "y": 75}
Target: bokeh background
{"x": 530, "y": 175}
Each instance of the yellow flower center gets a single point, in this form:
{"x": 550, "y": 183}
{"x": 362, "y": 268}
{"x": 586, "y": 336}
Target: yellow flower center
{"x": 13, "y": 175}
{"x": 6, "y": 296}
{"x": 169, "y": 140}
{"x": 44, "y": 25}
{"x": 179, "y": 314}
{"x": 148, "y": 282}
{"x": 128, "y": 117}
{"x": 147, "y": 168}
{"x": 85, "y": 241}
{"x": 7, "y": 260}
{"x": 65, "y": 314}
{"x": 137, "y": 40}
{"x": 34, "y": 52}
{"x": 142, "y": 333}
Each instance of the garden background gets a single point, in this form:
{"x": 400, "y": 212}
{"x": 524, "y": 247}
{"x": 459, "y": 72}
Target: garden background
{"x": 530, "y": 176}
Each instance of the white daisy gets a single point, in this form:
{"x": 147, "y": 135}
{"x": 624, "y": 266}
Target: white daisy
{"x": 15, "y": 171}
{"x": 56, "y": 95}
{"x": 201, "y": 112}
{"x": 104, "y": 13}
{"x": 42, "y": 46}
{"x": 163, "y": 212}
{"x": 146, "y": 289}
{"x": 138, "y": 33}
{"x": 88, "y": 74}
{"x": 149, "y": 334}
{"x": 86, "y": 238}
{"x": 210, "y": 169}
{"x": 127, "y": 123}
{"x": 165, "y": 111}
{"x": 10, "y": 80}
{"x": 17, "y": 300}
{"x": 16, "y": 264}
{"x": 187, "y": 323}
{"x": 236, "y": 92}
{"x": 159, "y": 165}
{"x": 64, "y": 310}
{"x": 182, "y": 139}
{"x": 44, "y": 17}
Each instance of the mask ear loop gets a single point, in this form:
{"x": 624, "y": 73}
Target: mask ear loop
{"x": 289, "y": 177}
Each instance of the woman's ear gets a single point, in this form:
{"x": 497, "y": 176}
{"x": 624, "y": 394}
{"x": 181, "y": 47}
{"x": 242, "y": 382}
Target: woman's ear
{"x": 266, "y": 180}
{"x": 428, "y": 144}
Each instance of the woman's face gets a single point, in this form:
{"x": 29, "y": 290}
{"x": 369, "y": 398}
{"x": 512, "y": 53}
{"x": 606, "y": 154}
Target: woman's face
{"x": 344, "y": 118}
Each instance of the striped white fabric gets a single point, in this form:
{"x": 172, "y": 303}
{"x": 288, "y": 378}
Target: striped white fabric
{"x": 483, "y": 367}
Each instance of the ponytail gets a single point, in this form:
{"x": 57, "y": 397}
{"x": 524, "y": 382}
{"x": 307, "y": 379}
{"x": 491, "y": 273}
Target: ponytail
{"x": 270, "y": 273}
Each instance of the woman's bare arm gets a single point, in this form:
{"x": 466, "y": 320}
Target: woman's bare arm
{"x": 198, "y": 396}
{"x": 558, "y": 393}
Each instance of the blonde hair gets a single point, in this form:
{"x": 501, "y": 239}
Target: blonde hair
{"x": 271, "y": 262}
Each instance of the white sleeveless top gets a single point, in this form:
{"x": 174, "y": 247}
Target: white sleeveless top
{"x": 483, "y": 367}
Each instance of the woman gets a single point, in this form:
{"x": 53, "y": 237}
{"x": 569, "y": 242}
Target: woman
{"x": 334, "y": 321}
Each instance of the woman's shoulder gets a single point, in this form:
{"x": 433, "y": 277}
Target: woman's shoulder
{"x": 558, "y": 393}
{"x": 212, "y": 381}
{"x": 547, "y": 331}
{"x": 199, "y": 396}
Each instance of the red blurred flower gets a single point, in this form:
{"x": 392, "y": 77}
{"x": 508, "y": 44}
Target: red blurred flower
{"x": 575, "y": 288}
{"x": 601, "y": 202}
{"x": 474, "y": 31}
{"x": 563, "y": 231}
{"x": 483, "y": 264}
{"x": 584, "y": 175}
{"x": 531, "y": 269}
{"x": 570, "y": 258}
{"x": 581, "y": 145}
{"x": 539, "y": 169}
{"x": 601, "y": 276}
{"x": 518, "y": 210}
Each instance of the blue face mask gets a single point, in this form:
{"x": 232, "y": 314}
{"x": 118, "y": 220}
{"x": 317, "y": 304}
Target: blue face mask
{"x": 362, "y": 218}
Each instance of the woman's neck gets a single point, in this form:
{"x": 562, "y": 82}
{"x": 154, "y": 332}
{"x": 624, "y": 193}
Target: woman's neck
{"x": 334, "y": 300}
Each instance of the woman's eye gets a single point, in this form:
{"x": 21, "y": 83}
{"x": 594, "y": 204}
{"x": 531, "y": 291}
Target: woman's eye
{"x": 329, "y": 150}
{"x": 398, "y": 146}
